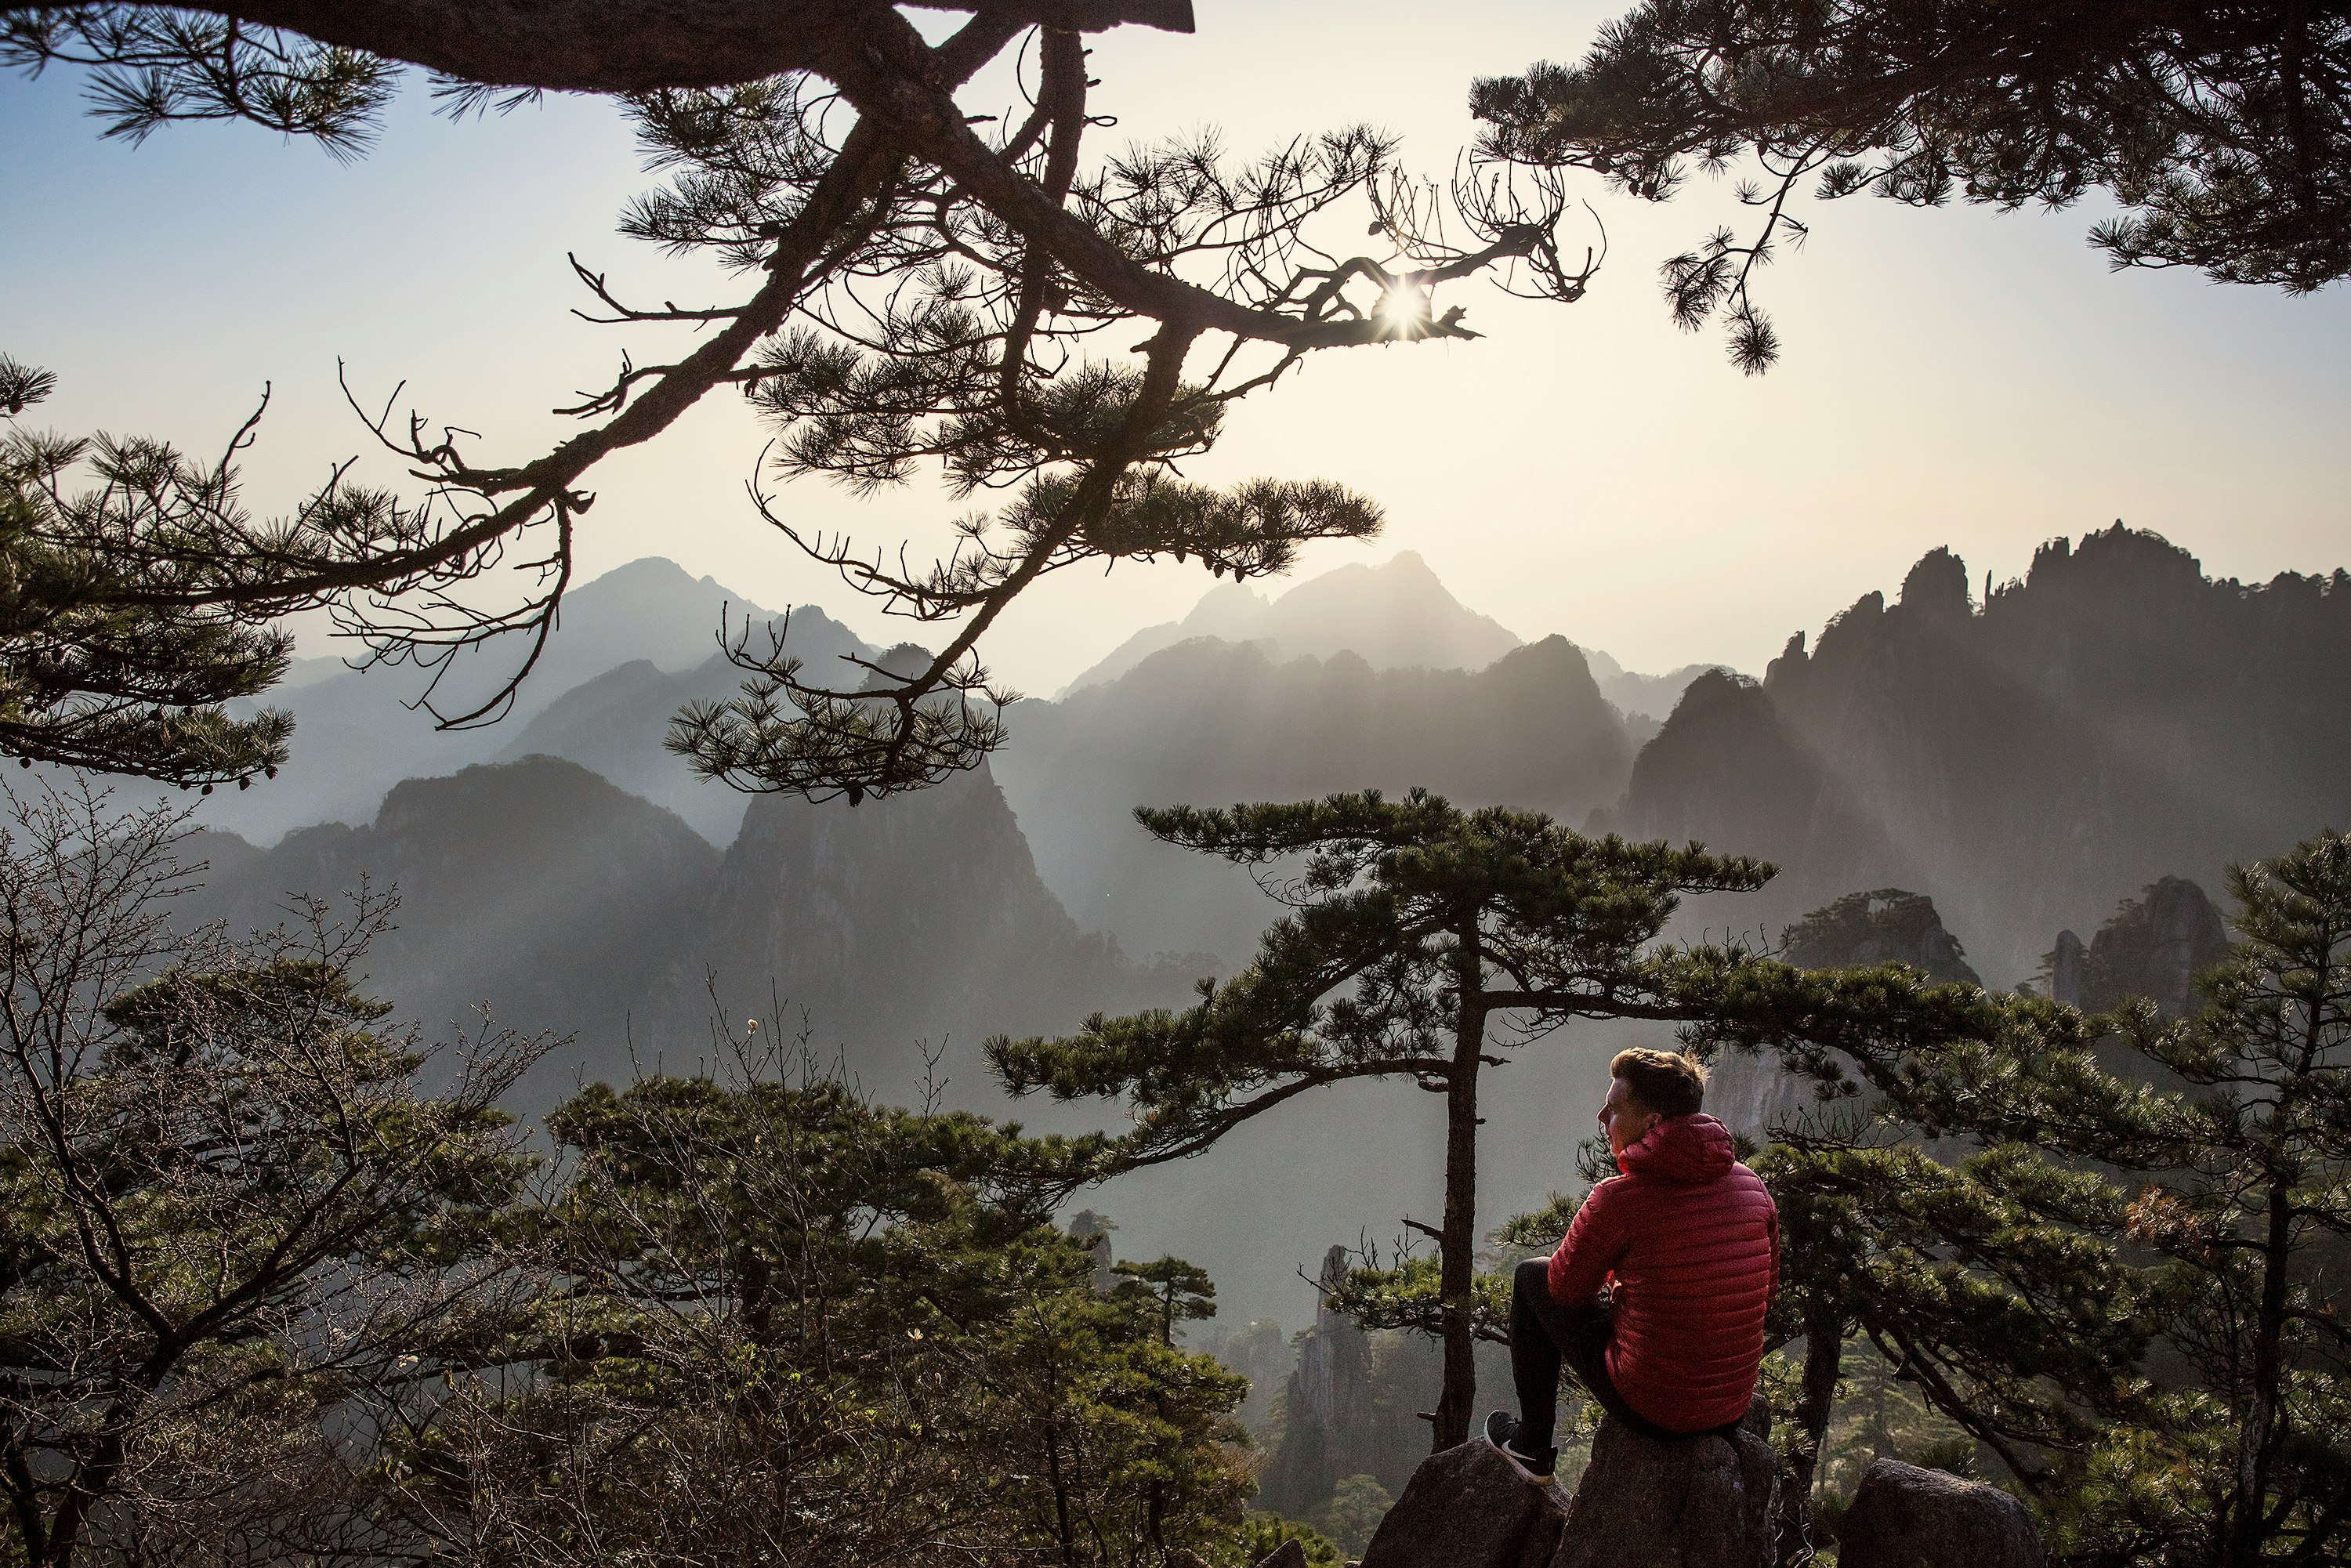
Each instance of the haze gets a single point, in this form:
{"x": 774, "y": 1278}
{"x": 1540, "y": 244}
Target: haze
{"x": 1954, "y": 377}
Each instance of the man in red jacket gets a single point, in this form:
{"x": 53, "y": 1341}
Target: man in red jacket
{"x": 1690, "y": 1239}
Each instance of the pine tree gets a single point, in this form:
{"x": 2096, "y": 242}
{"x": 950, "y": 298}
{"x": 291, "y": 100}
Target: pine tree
{"x": 104, "y": 663}
{"x": 2100, "y": 1213}
{"x": 925, "y": 291}
{"x": 1180, "y": 1293}
{"x": 2221, "y": 131}
{"x": 1453, "y": 934}
{"x": 777, "y": 1323}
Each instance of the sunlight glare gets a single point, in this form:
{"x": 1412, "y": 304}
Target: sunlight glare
{"x": 1403, "y": 305}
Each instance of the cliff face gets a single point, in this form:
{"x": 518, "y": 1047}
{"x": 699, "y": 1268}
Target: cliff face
{"x": 2153, "y": 946}
{"x": 568, "y": 905}
{"x": 2027, "y": 762}
{"x": 1349, "y": 1407}
{"x": 580, "y": 909}
{"x": 1209, "y": 723}
{"x": 914, "y": 917}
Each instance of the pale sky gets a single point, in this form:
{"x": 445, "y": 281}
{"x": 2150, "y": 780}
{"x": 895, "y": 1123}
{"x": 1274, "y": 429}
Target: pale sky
{"x": 1956, "y": 377}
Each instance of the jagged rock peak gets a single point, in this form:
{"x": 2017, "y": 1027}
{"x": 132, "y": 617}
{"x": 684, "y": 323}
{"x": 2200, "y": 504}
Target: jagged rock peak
{"x": 1888, "y": 926}
{"x": 1396, "y": 615}
{"x": 1938, "y": 585}
{"x": 2153, "y": 946}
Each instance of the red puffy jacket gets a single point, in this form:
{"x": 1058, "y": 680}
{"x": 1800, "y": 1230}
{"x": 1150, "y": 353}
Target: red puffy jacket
{"x": 1692, "y": 1238}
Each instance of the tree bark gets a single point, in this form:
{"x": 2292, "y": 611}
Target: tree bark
{"x": 1823, "y": 1358}
{"x": 2257, "y": 1437}
{"x": 636, "y": 46}
{"x": 1457, "y": 1247}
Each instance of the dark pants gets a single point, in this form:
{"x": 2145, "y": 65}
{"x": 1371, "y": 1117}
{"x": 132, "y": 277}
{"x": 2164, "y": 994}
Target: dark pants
{"x": 1543, "y": 1336}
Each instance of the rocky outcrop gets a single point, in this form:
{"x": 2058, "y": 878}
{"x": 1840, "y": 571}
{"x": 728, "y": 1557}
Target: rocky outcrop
{"x": 2153, "y": 946}
{"x": 1698, "y": 1502}
{"x": 2044, "y": 749}
{"x": 1753, "y": 1094}
{"x": 1889, "y": 926}
{"x": 1692, "y": 1502}
{"x": 1348, "y": 1407}
{"x": 1467, "y": 1507}
{"x": 1905, "y": 1517}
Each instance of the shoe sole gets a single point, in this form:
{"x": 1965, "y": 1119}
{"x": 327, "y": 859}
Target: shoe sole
{"x": 1540, "y": 1478}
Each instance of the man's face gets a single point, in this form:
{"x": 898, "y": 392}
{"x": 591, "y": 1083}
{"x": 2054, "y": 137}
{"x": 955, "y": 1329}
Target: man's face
{"x": 1623, "y": 1118}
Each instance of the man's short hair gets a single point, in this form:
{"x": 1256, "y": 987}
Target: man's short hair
{"x": 1664, "y": 1082}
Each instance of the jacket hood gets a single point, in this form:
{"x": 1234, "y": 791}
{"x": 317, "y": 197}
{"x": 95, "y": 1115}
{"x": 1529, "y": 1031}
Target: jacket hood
{"x": 1681, "y": 1148}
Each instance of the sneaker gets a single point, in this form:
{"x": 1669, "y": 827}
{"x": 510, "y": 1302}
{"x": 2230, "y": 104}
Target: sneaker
{"x": 1501, "y": 1427}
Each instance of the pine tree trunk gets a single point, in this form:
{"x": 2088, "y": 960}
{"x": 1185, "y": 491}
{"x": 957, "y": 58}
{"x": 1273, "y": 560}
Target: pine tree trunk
{"x": 1823, "y": 1358}
{"x": 1457, "y": 1247}
{"x": 2257, "y": 1438}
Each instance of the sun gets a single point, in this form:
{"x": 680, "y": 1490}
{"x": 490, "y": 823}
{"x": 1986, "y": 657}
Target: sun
{"x": 1402, "y": 307}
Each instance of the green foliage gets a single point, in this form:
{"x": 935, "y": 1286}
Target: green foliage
{"x": 231, "y": 1229}
{"x": 262, "y": 1300}
{"x": 1415, "y": 923}
{"x": 2221, "y": 131}
{"x": 153, "y": 65}
{"x": 104, "y": 662}
{"x": 2128, "y": 1292}
{"x": 1356, "y": 1507}
{"x": 1263, "y": 1534}
{"x": 1177, "y": 1291}
{"x": 1990, "y": 1282}
{"x": 786, "y": 1325}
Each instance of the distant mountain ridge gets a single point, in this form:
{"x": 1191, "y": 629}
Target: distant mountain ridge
{"x": 573, "y": 907}
{"x": 1209, "y": 723}
{"x": 356, "y": 734}
{"x": 618, "y": 724}
{"x": 1396, "y": 616}
{"x": 2113, "y": 718}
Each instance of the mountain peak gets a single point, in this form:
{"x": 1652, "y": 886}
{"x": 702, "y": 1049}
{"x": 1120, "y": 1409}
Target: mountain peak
{"x": 1396, "y": 614}
{"x": 1224, "y": 610}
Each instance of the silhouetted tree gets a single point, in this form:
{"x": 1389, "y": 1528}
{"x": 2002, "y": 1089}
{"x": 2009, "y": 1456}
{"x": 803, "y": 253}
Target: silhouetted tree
{"x": 925, "y": 290}
{"x": 2223, "y": 130}
{"x": 1418, "y": 926}
{"x": 1179, "y": 1291}
{"x": 102, "y": 663}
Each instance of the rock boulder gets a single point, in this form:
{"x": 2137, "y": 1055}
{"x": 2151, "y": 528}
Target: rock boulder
{"x": 1694, "y": 1503}
{"x": 1905, "y": 1517}
{"x": 1467, "y": 1507}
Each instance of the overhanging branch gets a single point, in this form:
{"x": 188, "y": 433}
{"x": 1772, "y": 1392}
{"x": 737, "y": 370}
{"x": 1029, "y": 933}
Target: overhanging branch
{"x": 637, "y": 46}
